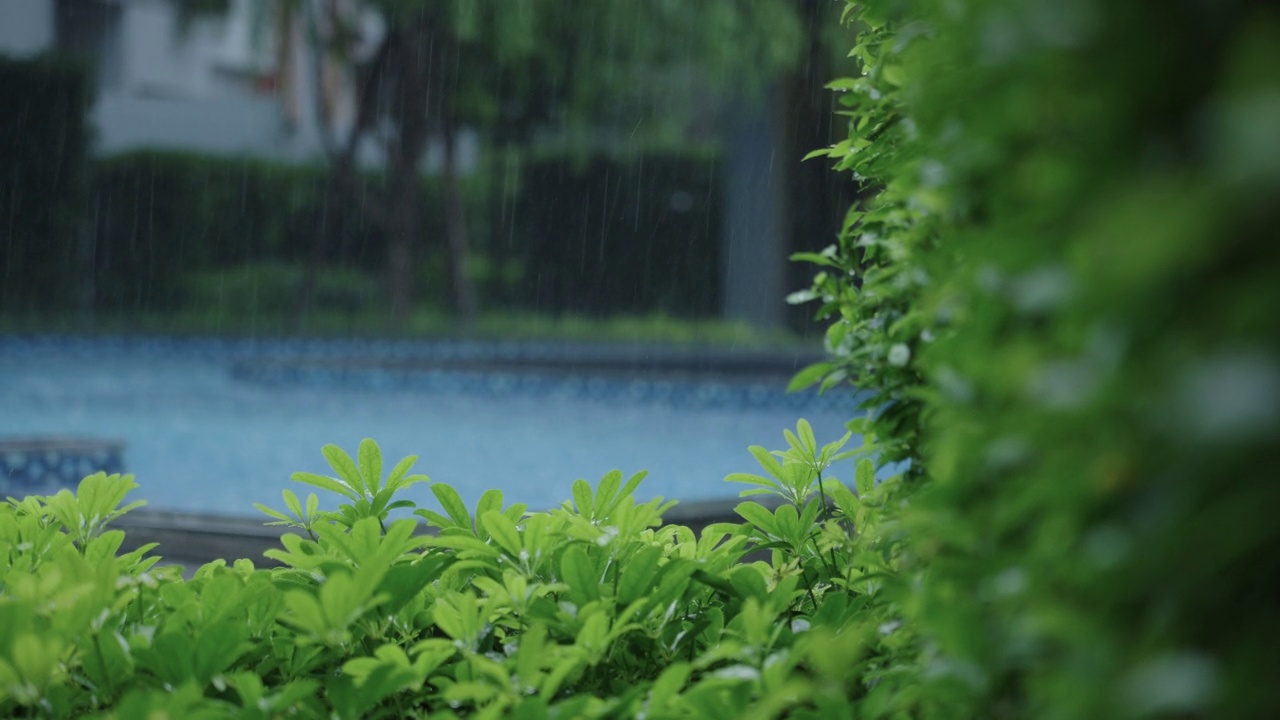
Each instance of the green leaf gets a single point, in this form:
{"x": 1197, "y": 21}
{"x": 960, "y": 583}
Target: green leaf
{"x": 824, "y": 259}
{"x": 629, "y": 489}
{"x": 667, "y": 687}
{"x": 577, "y": 572}
{"x": 835, "y": 378}
{"x": 865, "y": 480}
{"x": 218, "y": 647}
{"x": 715, "y": 582}
{"x": 173, "y": 657}
{"x": 467, "y": 543}
{"x": 809, "y": 375}
{"x": 594, "y": 631}
{"x": 638, "y": 574}
{"x": 820, "y": 152}
{"x": 273, "y": 513}
{"x": 582, "y": 498}
{"x": 399, "y": 472}
{"x": 748, "y": 479}
{"x": 806, "y": 435}
{"x": 435, "y": 519}
{"x": 787, "y": 522}
{"x": 606, "y": 491}
{"x": 291, "y": 502}
{"x": 346, "y": 468}
{"x": 452, "y": 503}
{"x": 749, "y": 583}
{"x": 110, "y": 662}
{"x": 758, "y": 515}
{"x": 503, "y": 532}
{"x": 490, "y": 500}
{"x": 326, "y": 483}
{"x": 370, "y": 465}
{"x": 766, "y": 460}
{"x": 801, "y": 297}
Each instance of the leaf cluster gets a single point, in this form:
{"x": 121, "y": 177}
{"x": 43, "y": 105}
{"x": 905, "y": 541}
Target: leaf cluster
{"x": 592, "y": 609}
{"x": 1057, "y": 290}
{"x": 870, "y": 284}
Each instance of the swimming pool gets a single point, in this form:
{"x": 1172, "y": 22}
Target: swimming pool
{"x": 217, "y": 425}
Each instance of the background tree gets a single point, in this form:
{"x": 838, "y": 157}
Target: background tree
{"x": 581, "y": 76}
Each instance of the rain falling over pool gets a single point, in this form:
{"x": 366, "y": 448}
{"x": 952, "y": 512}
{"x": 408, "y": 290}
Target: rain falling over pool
{"x": 215, "y": 426}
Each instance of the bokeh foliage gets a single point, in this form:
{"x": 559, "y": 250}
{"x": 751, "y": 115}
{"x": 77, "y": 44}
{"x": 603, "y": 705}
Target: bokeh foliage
{"x": 44, "y": 151}
{"x": 180, "y": 232}
{"x": 1060, "y": 284}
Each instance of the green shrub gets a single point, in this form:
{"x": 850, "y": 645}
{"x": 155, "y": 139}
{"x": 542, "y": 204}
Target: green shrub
{"x": 44, "y": 149}
{"x": 611, "y": 237}
{"x": 166, "y": 217}
{"x": 163, "y": 217}
{"x": 273, "y": 288}
{"x": 1068, "y": 233}
{"x": 594, "y": 609}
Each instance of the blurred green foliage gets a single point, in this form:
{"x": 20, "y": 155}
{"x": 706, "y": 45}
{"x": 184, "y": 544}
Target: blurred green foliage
{"x": 600, "y": 237}
{"x": 271, "y": 288}
{"x": 1060, "y": 288}
{"x": 181, "y": 233}
{"x": 164, "y": 218}
{"x": 584, "y": 72}
{"x": 44, "y": 151}
{"x": 217, "y": 318}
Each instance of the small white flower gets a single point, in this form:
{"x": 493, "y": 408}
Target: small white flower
{"x": 899, "y": 354}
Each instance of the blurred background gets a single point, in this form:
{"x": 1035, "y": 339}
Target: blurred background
{"x": 362, "y": 165}
{"x": 521, "y": 180}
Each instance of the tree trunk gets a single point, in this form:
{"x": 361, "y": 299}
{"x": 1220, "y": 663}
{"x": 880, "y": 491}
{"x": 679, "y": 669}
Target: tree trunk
{"x": 456, "y": 228}
{"x": 341, "y": 179}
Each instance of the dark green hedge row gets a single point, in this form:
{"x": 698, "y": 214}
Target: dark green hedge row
{"x": 164, "y": 218}
{"x": 44, "y": 148}
{"x": 601, "y": 238}
{"x": 608, "y": 236}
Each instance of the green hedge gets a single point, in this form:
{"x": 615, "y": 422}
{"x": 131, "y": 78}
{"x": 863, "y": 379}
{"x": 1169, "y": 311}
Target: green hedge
{"x": 165, "y": 218}
{"x": 602, "y": 238}
{"x": 44, "y": 145}
{"x": 617, "y": 237}
{"x": 1061, "y": 296}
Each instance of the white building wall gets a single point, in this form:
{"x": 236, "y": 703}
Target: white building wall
{"x": 203, "y": 87}
{"x": 26, "y": 26}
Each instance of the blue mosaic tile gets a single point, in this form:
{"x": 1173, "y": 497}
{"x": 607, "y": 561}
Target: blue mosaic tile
{"x": 364, "y": 364}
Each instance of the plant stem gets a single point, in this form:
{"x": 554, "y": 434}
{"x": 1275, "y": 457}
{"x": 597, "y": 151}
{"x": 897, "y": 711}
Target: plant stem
{"x": 808, "y": 586}
{"x": 822, "y": 494}
{"x": 826, "y": 511}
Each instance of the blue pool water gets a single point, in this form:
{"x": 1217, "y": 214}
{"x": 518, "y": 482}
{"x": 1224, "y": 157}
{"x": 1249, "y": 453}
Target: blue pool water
{"x": 207, "y": 433}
